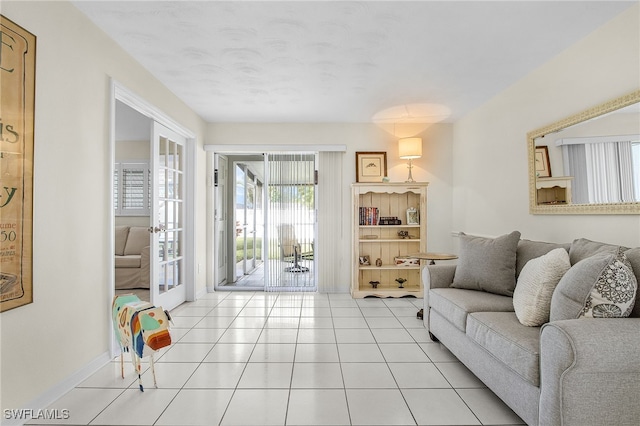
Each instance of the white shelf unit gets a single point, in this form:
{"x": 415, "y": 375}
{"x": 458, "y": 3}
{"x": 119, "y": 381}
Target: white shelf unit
{"x": 383, "y": 242}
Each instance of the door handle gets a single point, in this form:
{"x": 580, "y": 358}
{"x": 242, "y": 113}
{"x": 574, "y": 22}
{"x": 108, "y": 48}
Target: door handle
{"x": 156, "y": 229}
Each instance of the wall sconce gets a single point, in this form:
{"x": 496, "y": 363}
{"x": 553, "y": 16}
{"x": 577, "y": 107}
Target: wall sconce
{"x": 410, "y": 148}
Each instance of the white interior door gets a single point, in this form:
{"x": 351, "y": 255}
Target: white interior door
{"x": 168, "y": 218}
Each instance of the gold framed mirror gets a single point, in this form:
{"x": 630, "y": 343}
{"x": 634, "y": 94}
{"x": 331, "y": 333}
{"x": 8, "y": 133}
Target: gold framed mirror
{"x": 588, "y": 163}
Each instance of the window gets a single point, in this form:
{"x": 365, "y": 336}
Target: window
{"x": 132, "y": 188}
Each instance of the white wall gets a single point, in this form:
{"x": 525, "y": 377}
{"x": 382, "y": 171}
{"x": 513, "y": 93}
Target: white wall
{"x": 434, "y": 166}
{"x": 490, "y": 168}
{"x": 67, "y": 326}
{"x": 133, "y": 150}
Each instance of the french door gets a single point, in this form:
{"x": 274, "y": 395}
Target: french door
{"x": 168, "y": 218}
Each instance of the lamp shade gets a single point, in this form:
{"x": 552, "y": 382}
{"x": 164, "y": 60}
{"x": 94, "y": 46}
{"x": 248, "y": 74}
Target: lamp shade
{"x": 410, "y": 148}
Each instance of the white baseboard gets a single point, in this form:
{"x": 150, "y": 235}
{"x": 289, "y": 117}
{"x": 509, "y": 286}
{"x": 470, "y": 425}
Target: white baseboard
{"x": 55, "y": 392}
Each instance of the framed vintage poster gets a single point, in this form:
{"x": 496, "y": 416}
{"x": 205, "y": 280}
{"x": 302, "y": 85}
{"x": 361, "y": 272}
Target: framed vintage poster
{"x": 543, "y": 169}
{"x": 371, "y": 166}
{"x": 17, "y": 85}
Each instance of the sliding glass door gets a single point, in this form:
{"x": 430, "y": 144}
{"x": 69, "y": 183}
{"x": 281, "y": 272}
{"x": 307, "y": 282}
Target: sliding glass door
{"x": 248, "y": 211}
{"x": 270, "y": 203}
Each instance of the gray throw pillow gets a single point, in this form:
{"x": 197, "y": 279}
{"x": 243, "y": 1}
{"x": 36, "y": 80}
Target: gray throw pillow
{"x": 602, "y": 285}
{"x": 582, "y": 248}
{"x": 487, "y": 264}
{"x": 528, "y": 250}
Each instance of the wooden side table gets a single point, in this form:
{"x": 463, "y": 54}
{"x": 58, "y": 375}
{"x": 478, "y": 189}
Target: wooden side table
{"x": 431, "y": 257}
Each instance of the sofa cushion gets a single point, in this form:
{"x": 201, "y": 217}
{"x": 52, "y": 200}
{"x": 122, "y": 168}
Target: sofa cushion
{"x": 633, "y": 255}
{"x": 538, "y": 279}
{"x": 456, "y": 304}
{"x": 582, "y": 248}
{"x": 487, "y": 264}
{"x": 138, "y": 239}
{"x": 502, "y": 335}
{"x": 121, "y": 239}
{"x": 528, "y": 250}
{"x": 574, "y": 289}
{"x": 131, "y": 261}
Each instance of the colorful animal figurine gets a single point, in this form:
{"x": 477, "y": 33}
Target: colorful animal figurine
{"x": 141, "y": 329}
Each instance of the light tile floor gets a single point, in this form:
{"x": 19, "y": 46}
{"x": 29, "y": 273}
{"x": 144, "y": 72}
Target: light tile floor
{"x": 245, "y": 358}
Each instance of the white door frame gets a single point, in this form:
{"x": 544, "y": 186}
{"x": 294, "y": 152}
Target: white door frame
{"x": 121, "y": 93}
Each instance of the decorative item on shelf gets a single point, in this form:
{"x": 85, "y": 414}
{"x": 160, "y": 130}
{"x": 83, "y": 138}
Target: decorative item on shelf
{"x": 403, "y": 234}
{"x": 371, "y": 166}
{"x": 410, "y": 148}
{"x": 364, "y": 261}
{"x": 386, "y": 179}
{"x": 401, "y": 282}
{"x": 413, "y": 217}
{"x": 374, "y": 284}
{"x": 406, "y": 261}
{"x": 378, "y": 262}
{"x": 390, "y": 220}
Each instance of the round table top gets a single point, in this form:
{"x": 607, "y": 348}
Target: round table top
{"x": 433, "y": 256}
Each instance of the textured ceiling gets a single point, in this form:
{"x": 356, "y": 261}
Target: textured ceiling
{"x": 337, "y": 61}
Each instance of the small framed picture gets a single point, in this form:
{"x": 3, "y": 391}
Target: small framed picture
{"x": 365, "y": 261}
{"x": 413, "y": 218}
{"x": 371, "y": 166}
{"x": 543, "y": 169}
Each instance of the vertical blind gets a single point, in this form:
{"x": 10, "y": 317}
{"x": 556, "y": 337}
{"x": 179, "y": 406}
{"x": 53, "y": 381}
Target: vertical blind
{"x": 291, "y": 222}
{"x": 332, "y": 259}
{"x": 603, "y": 172}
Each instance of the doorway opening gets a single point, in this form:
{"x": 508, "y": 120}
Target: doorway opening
{"x": 153, "y": 220}
{"x": 265, "y": 203}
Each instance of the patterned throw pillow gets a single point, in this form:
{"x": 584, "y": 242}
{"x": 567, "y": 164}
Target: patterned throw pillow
{"x": 610, "y": 272}
{"x": 614, "y": 292}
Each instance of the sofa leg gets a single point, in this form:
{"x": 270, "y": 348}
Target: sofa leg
{"x": 433, "y": 338}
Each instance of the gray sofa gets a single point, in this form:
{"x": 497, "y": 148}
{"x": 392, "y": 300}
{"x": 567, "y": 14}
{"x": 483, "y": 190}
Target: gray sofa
{"x": 132, "y": 257}
{"x": 576, "y": 371}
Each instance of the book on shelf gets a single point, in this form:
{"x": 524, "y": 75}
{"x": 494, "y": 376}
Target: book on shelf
{"x": 369, "y": 215}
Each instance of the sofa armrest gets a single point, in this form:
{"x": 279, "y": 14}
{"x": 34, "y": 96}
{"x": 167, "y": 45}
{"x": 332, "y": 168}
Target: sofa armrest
{"x": 435, "y": 276}
{"x": 145, "y": 267}
{"x": 590, "y": 372}
{"x": 438, "y": 276}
